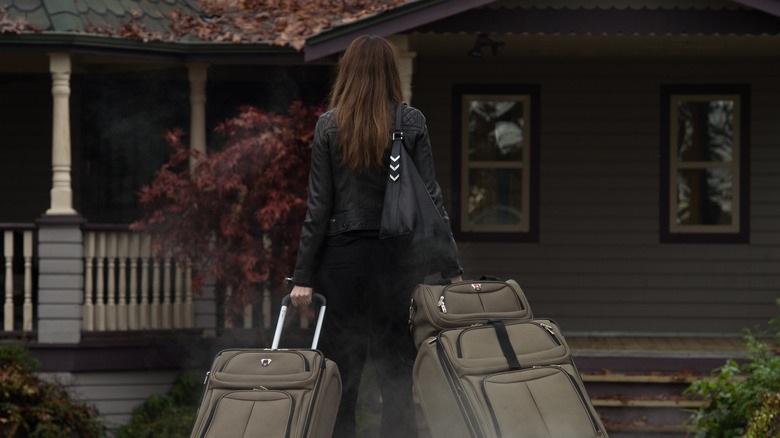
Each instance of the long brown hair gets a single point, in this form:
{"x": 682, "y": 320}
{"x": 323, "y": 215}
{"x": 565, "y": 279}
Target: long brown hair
{"x": 367, "y": 87}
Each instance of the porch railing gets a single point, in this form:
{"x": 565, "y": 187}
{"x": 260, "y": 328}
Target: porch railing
{"x": 18, "y": 276}
{"x": 126, "y": 288}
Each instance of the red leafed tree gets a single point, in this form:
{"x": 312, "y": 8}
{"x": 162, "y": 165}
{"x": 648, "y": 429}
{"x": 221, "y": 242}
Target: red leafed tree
{"x": 237, "y": 215}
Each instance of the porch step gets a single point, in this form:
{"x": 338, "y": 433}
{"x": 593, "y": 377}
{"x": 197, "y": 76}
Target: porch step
{"x": 637, "y": 381}
{"x": 642, "y": 405}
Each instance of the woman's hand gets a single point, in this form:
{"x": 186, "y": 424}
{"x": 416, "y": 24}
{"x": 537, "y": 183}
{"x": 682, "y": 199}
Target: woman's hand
{"x": 301, "y": 296}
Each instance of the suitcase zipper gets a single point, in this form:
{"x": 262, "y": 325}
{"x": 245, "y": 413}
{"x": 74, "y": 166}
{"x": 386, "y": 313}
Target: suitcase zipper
{"x": 550, "y": 331}
{"x": 441, "y": 304}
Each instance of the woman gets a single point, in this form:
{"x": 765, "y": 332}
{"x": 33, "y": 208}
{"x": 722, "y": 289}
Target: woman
{"x": 365, "y": 280}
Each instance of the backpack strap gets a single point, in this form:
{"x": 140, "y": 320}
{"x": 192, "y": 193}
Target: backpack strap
{"x": 398, "y": 134}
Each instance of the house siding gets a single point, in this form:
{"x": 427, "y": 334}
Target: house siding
{"x": 115, "y": 394}
{"x": 598, "y": 264}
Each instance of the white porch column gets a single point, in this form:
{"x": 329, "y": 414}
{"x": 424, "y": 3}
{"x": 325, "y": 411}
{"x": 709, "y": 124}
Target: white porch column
{"x": 60, "y": 242}
{"x": 405, "y": 64}
{"x": 197, "y": 76}
{"x": 61, "y": 193}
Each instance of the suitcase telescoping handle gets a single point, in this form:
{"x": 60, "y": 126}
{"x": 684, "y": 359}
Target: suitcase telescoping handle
{"x": 285, "y": 303}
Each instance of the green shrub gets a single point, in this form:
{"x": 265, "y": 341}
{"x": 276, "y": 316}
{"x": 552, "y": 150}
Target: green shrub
{"x": 168, "y": 416}
{"x": 33, "y": 408}
{"x": 740, "y": 396}
{"x": 17, "y": 354}
{"x": 765, "y": 422}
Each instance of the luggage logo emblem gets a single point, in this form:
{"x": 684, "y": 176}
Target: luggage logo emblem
{"x": 265, "y": 362}
{"x": 477, "y": 287}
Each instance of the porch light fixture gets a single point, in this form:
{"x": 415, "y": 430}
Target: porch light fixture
{"x": 484, "y": 41}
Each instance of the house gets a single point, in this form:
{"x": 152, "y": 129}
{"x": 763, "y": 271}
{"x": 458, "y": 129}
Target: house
{"x": 619, "y": 159}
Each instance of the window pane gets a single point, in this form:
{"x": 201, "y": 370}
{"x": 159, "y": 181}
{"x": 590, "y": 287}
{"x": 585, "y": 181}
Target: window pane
{"x": 495, "y": 130}
{"x": 495, "y": 197}
{"x": 705, "y": 130}
{"x": 704, "y": 196}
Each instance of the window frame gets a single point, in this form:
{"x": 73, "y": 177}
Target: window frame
{"x": 529, "y": 231}
{"x": 738, "y": 230}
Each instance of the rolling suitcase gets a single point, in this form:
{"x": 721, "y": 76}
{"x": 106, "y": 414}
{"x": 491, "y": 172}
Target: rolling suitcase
{"x": 290, "y": 393}
{"x": 499, "y": 378}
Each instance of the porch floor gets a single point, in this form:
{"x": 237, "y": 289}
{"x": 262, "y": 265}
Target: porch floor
{"x": 695, "y": 355}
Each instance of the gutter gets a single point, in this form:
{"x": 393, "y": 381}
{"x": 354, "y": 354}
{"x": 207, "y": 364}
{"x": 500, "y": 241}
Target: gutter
{"x": 771, "y": 7}
{"x": 403, "y": 18}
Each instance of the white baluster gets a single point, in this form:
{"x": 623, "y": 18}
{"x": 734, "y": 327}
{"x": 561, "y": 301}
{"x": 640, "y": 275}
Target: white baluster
{"x": 122, "y": 252}
{"x": 27, "y": 310}
{"x": 228, "y": 320}
{"x": 166, "y": 298}
{"x": 266, "y": 308}
{"x": 155, "y": 314}
{"x": 144, "y": 316}
{"x": 178, "y": 308}
{"x": 132, "y": 307}
{"x": 248, "y": 308}
{"x": 8, "y": 309}
{"x": 111, "y": 247}
{"x": 88, "y": 309}
{"x": 267, "y": 243}
{"x": 189, "y": 306}
{"x": 100, "y": 306}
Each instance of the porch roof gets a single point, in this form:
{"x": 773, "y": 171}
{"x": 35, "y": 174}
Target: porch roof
{"x": 213, "y": 29}
{"x": 188, "y": 29}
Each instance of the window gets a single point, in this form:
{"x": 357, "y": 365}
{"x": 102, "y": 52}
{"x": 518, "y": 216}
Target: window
{"x": 495, "y": 162}
{"x": 704, "y": 163}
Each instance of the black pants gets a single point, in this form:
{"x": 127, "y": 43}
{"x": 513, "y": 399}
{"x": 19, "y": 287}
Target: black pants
{"x": 368, "y": 291}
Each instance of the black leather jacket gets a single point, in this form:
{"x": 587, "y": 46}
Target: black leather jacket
{"x": 342, "y": 200}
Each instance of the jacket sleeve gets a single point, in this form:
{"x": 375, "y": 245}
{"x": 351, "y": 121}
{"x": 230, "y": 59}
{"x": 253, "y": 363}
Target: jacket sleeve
{"x": 423, "y": 159}
{"x": 319, "y": 206}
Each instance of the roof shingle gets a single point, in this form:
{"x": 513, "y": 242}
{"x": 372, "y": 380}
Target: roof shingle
{"x": 81, "y": 15}
{"x": 27, "y": 5}
{"x": 286, "y": 23}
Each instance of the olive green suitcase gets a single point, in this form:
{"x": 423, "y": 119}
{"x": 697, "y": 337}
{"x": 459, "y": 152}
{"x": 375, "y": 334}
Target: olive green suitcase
{"x": 486, "y": 368}
{"x": 503, "y": 380}
{"x": 290, "y": 393}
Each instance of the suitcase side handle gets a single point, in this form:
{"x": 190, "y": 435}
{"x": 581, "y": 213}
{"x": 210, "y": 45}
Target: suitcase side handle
{"x": 283, "y": 314}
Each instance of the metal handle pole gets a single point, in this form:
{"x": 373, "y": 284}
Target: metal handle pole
{"x": 318, "y": 329}
{"x": 283, "y": 314}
